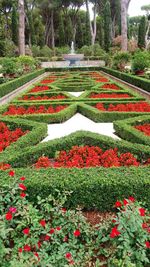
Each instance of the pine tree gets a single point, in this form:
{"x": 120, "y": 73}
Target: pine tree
{"x": 61, "y": 31}
{"x": 69, "y": 32}
{"x": 14, "y": 26}
{"x": 142, "y": 33}
{"x": 107, "y": 26}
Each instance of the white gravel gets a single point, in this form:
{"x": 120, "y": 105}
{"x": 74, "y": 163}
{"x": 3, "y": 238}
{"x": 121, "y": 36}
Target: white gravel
{"x": 79, "y": 123}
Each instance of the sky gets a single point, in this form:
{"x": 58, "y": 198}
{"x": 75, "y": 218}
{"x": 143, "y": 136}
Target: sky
{"x": 135, "y": 7}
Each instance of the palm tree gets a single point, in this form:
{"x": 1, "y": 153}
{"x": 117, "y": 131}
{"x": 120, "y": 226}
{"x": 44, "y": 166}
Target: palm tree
{"x": 21, "y": 27}
{"x": 124, "y": 10}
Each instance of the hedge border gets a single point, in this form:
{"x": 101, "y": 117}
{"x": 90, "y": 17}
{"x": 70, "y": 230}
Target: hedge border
{"x": 125, "y": 130}
{"x": 38, "y": 131}
{"x": 10, "y": 86}
{"x": 137, "y": 81}
{"x": 30, "y": 155}
{"x": 97, "y": 188}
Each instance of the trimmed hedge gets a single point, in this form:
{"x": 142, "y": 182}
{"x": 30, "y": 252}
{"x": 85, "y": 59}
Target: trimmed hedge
{"x": 10, "y": 86}
{"x": 31, "y": 154}
{"x": 125, "y": 129}
{"x": 37, "y": 132}
{"x": 135, "y": 80}
{"x": 94, "y": 188}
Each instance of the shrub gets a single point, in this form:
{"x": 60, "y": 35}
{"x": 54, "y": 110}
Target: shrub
{"x": 10, "y": 48}
{"x": 59, "y": 51}
{"x": 45, "y": 52}
{"x": 120, "y": 59}
{"x": 140, "y": 62}
{"x": 28, "y": 63}
{"x": 35, "y": 50}
{"x": 9, "y": 66}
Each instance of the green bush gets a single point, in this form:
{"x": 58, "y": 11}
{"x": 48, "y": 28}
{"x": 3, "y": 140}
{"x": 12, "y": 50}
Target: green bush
{"x": 12, "y": 85}
{"x": 140, "y": 62}
{"x": 94, "y": 188}
{"x": 45, "y": 52}
{"x": 35, "y": 50}
{"x": 137, "y": 81}
{"x": 10, "y": 50}
{"x": 9, "y": 66}
{"x": 28, "y": 63}
{"x": 59, "y": 51}
{"x": 120, "y": 59}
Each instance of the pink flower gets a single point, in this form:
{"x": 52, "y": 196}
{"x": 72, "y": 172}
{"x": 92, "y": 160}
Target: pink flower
{"x": 12, "y": 210}
{"x": 68, "y": 255}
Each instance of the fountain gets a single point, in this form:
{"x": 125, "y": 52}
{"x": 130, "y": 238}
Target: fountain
{"x": 73, "y": 57}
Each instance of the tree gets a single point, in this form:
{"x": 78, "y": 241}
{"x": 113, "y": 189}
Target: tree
{"x": 107, "y": 26}
{"x": 142, "y": 33}
{"x": 14, "y": 26}
{"x": 61, "y": 31}
{"x": 21, "y": 27}
{"x": 93, "y": 26}
{"x": 147, "y": 36}
{"x": 124, "y": 10}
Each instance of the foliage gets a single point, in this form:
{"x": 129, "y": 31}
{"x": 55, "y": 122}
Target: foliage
{"x": 14, "y": 26}
{"x": 142, "y": 32}
{"x": 28, "y": 63}
{"x": 120, "y": 59}
{"x": 45, "y": 52}
{"x": 9, "y": 66}
{"x": 107, "y": 26}
{"x": 140, "y": 61}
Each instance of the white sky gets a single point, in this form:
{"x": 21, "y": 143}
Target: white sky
{"x": 134, "y": 7}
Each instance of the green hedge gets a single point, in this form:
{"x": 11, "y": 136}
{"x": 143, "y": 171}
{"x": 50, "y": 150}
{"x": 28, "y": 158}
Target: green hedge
{"x": 135, "y": 80}
{"x": 94, "y": 188}
{"x": 125, "y": 129}
{"x": 30, "y": 155}
{"x": 37, "y": 132}
{"x": 10, "y": 86}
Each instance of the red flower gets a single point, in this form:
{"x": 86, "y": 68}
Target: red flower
{"x": 11, "y": 173}
{"x": 43, "y": 223}
{"x": 132, "y": 199}
{"x": 39, "y": 244}
{"x": 114, "y": 232}
{"x": 118, "y": 204}
{"x": 52, "y": 231}
{"x": 8, "y": 216}
{"x": 26, "y": 231}
{"x": 27, "y": 248}
{"x": 22, "y": 187}
{"x": 37, "y": 255}
{"x": 22, "y": 178}
{"x": 142, "y": 211}
{"x": 144, "y": 225}
{"x": 12, "y": 209}
{"x": 147, "y": 243}
{"x": 71, "y": 262}
{"x": 125, "y": 202}
{"x": 77, "y": 233}
{"x": 63, "y": 210}
{"x": 22, "y": 195}
{"x": 68, "y": 255}
{"x": 47, "y": 237}
{"x": 20, "y": 250}
{"x": 65, "y": 239}
{"x": 58, "y": 228}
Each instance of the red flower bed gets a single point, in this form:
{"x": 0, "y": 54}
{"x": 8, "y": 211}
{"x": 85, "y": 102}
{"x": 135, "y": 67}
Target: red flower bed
{"x": 110, "y": 86}
{"x": 145, "y": 128}
{"x": 129, "y": 107}
{"x": 4, "y": 166}
{"x": 47, "y": 81}
{"x": 86, "y": 156}
{"x": 102, "y": 80}
{"x": 7, "y": 136}
{"x": 39, "y": 89}
{"x": 45, "y": 97}
{"x": 14, "y": 110}
{"x": 104, "y": 95}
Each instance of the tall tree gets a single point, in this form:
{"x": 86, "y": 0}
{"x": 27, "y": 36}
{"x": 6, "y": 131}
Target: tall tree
{"x": 107, "y": 26}
{"x": 142, "y": 32}
{"x": 93, "y": 26}
{"x": 61, "y": 31}
{"x": 147, "y": 36}
{"x": 21, "y": 27}
{"x": 14, "y": 26}
{"x": 124, "y": 27}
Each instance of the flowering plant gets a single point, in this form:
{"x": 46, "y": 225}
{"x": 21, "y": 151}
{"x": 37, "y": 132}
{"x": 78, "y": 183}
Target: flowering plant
{"x": 44, "y": 97}
{"x": 130, "y": 234}
{"x": 20, "y": 110}
{"x": 46, "y": 234}
{"x": 86, "y": 156}
{"x": 110, "y": 86}
{"x": 39, "y": 89}
{"x": 104, "y": 95}
{"x": 7, "y": 136}
{"x": 145, "y": 128}
{"x": 129, "y": 107}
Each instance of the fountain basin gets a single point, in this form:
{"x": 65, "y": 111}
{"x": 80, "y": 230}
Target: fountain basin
{"x": 73, "y": 58}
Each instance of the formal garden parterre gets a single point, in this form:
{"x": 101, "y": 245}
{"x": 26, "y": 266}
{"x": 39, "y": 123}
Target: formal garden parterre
{"x": 98, "y": 170}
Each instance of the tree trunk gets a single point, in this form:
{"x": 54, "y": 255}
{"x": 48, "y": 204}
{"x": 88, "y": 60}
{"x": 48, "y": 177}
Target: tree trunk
{"x": 147, "y": 40}
{"x": 124, "y": 27}
{"x": 94, "y": 28}
{"x": 21, "y": 27}
{"x": 52, "y": 29}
